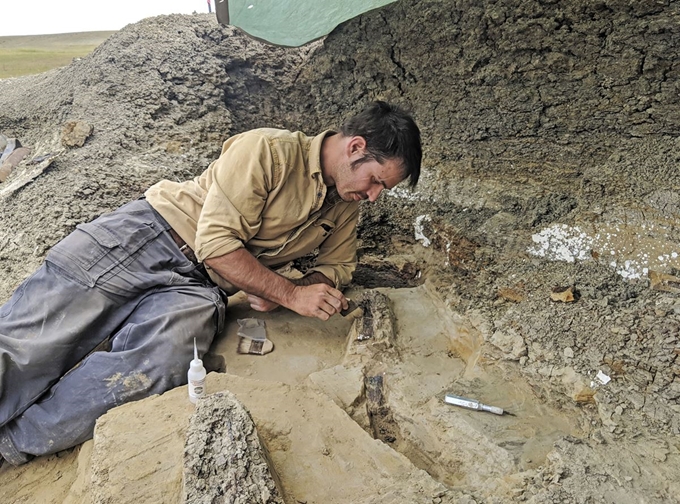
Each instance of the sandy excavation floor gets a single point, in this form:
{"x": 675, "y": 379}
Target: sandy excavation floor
{"x": 438, "y": 355}
{"x": 425, "y": 354}
{"x": 301, "y": 346}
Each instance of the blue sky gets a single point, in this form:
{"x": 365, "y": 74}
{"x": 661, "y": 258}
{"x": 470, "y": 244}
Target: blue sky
{"x": 36, "y": 17}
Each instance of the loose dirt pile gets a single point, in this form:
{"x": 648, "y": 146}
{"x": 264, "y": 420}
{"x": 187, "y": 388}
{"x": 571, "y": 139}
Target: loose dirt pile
{"x": 552, "y": 141}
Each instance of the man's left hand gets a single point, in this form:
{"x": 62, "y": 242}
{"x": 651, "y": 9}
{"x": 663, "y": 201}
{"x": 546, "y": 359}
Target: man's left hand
{"x": 261, "y": 305}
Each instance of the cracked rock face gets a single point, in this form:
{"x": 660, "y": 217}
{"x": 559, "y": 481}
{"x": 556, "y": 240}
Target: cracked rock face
{"x": 223, "y": 458}
{"x": 551, "y": 159}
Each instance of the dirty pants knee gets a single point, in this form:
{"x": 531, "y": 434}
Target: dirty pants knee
{"x": 120, "y": 277}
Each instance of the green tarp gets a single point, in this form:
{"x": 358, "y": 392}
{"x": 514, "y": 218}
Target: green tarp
{"x": 291, "y": 22}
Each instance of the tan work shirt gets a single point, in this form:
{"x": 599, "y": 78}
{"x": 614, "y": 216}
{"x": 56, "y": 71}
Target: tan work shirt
{"x": 265, "y": 193}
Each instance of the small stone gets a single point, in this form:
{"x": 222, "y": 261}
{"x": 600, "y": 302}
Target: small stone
{"x": 583, "y": 394}
{"x": 663, "y": 282}
{"x": 564, "y": 294}
{"x": 75, "y": 133}
{"x": 11, "y": 162}
{"x": 660, "y": 455}
{"x": 510, "y": 294}
{"x": 510, "y": 343}
{"x": 568, "y": 353}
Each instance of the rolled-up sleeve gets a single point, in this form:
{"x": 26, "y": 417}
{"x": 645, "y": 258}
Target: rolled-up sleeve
{"x": 337, "y": 257}
{"x": 232, "y": 212}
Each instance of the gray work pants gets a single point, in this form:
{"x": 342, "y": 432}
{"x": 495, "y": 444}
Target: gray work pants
{"x": 121, "y": 278}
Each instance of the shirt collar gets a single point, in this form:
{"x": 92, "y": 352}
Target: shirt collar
{"x": 332, "y": 197}
{"x": 315, "y": 152}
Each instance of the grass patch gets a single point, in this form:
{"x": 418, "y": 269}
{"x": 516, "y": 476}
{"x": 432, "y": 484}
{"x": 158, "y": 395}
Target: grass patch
{"x": 16, "y": 62}
{"x": 33, "y": 54}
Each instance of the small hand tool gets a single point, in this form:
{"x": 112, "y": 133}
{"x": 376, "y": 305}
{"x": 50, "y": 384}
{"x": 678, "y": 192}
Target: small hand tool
{"x": 474, "y": 404}
{"x": 353, "y": 310}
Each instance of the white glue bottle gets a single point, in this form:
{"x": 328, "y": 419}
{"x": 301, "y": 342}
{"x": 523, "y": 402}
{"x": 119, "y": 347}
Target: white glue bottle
{"x": 196, "y": 376}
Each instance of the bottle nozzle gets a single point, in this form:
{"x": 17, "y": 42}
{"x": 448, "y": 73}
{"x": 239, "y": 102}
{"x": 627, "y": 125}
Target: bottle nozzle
{"x": 196, "y": 377}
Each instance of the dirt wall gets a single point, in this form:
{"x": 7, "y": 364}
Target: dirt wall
{"x": 551, "y": 160}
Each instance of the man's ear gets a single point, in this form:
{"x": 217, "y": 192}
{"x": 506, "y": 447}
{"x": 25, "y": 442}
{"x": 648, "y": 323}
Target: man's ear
{"x": 356, "y": 146}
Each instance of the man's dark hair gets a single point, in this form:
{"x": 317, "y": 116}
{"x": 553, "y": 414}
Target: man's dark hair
{"x": 390, "y": 133}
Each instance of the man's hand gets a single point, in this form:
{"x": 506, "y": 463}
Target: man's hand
{"x": 318, "y": 300}
{"x": 260, "y": 304}
{"x": 311, "y": 296}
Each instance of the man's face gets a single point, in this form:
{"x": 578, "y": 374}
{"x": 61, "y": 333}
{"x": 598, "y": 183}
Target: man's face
{"x": 367, "y": 179}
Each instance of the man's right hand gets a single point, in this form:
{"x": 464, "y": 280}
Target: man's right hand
{"x": 318, "y": 300}
{"x": 310, "y": 299}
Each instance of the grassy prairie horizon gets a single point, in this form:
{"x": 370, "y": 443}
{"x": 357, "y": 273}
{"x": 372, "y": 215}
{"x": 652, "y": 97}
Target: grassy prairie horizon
{"x": 34, "y": 54}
